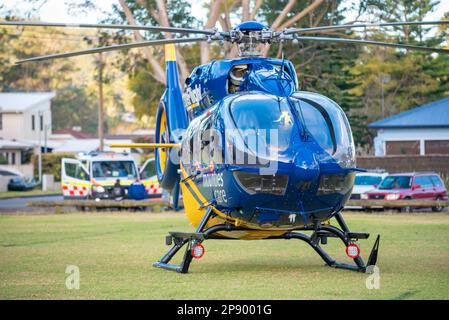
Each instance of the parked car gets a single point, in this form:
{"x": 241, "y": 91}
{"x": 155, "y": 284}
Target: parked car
{"x": 407, "y": 186}
{"x": 8, "y": 173}
{"x": 364, "y": 182}
{"x": 19, "y": 183}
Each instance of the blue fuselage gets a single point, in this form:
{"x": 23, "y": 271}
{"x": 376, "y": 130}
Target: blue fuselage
{"x": 302, "y": 174}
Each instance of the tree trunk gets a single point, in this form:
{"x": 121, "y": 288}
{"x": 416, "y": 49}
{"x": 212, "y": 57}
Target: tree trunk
{"x": 100, "y": 101}
{"x": 158, "y": 71}
{"x": 301, "y": 14}
{"x": 255, "y": 9}
{"x": 214, "y": 13}
{"x": 163, "y": 20}
{"x": 245, "y": 10}
{"x": 278, "y": 25}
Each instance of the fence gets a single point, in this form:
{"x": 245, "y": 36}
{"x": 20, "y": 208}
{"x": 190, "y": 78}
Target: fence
{"x": 157, "y": 205}
{"x": 92, "y": 204}
{"x": 407, "y": 163}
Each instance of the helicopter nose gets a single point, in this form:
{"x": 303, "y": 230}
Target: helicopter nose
{"x": 307, "y": 167}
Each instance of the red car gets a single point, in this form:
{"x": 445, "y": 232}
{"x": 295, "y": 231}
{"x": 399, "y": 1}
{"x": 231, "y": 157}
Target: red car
{"x": 405, "y": 186}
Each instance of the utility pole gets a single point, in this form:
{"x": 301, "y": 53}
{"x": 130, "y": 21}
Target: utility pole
{"x": 101, "y": 101}
{"x": 46, "y": 127}
{"x": 37, "y": 125}
{"x": 384, "y": 78}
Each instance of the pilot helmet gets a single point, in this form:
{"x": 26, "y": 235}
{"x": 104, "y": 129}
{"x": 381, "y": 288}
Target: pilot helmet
{"x": 237, "y": 73}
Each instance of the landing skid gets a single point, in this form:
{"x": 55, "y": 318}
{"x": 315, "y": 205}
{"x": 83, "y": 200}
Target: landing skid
{"x": 320, "y": 234}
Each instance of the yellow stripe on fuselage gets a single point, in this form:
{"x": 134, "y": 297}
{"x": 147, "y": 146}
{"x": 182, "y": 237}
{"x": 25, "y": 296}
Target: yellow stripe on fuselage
{"x": 170, "y": 53}
{"x": 195, "y": 210}
{"x": 193, "y": 186}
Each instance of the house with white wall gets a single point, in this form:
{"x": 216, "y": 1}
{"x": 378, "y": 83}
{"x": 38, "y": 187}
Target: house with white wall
{"x": 25, "y": 120}
{"x": 422, "y": 130}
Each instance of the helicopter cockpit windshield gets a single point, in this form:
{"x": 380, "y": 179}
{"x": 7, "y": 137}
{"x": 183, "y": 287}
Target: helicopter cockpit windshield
{"x": 270, "y": 124}
{"x": 326, "y": 122}
{"x": 264, "y": 123}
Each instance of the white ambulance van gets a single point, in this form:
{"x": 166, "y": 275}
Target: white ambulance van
{"x": 93, "y": 175}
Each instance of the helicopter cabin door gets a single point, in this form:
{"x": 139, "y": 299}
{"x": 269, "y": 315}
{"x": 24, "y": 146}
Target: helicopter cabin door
{"x": 75, "y": 179}
{"x": 149, "y": 179}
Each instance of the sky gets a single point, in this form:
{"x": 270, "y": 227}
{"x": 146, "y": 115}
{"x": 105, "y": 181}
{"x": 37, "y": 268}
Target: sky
{"x": 56, "y": 10}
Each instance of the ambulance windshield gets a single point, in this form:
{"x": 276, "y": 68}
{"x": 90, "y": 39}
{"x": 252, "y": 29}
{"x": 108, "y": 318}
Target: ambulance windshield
{"x": 114, "y": 169}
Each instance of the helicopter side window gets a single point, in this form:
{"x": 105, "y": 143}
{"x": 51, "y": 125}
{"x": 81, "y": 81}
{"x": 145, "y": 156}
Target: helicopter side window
{"x": 217, "y": 151}
{"x": 186, "y": 154}
{"x": 190, "y": 145}
{"x": 205, "y": 139}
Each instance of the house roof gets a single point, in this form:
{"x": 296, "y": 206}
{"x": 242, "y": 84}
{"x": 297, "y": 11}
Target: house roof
{"x": 78, "y": 145}
{"x": 14, "y": 145}
{"x": 22, "y": 101}
{"x": 35, "y": 143}
{"x": 88, "y": 145}
{"x": 74, "y": 133}
{"x": 434, "y": 114}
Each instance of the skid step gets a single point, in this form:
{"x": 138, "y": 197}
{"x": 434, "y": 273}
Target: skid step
{"x": 187, "y": 235}
{"x": 349, "y": 235}
{"x": 357, "y": 235}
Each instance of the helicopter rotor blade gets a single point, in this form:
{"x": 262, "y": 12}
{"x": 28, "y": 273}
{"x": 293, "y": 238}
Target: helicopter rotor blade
{"x": 107, "y": 26}
{"x": 375, "y": 43}
{"x": 366, "y": 25}
{"x": 113, "y": 47}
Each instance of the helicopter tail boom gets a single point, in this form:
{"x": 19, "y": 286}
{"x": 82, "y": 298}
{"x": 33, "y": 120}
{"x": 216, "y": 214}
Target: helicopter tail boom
{"x": 171, "y": 121}
{"x": 176, "y": 112}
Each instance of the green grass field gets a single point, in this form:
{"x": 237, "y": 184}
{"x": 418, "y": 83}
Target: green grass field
{"x": 34, "y": 192}
{"x": 115, "y": 251}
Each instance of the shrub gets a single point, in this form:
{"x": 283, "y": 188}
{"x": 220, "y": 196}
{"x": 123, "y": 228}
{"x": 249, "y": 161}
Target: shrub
{"x": 51, "y": 163}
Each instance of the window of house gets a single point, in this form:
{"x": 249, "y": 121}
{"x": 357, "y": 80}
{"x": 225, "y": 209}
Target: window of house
{"x": 13, "y": 158}
{"x": 3, "y": 158}
{"x": 41, "y": 122}
{"x": 436, "y": 146}
{"x": 33, "y": 124}
{"x": 402, "y": 147}
{"x": 1, "y": 121}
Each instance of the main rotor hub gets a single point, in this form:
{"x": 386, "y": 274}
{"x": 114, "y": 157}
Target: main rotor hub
{"x": 248, "y": 35}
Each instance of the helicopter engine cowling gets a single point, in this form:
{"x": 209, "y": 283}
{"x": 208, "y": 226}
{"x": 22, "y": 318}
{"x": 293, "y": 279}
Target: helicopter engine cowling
{"x": 269, "y": 78}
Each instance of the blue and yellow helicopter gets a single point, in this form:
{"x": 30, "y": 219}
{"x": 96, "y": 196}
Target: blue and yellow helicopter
{"x": 253, "y": 156}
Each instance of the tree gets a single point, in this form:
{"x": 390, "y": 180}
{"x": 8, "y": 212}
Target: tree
{"x": 398, "y": 79}
{"x": 280, "y": 14}
{"x": 74, "y": 107}
{"x": 72, "y": 79}
{"x": 19, "y": 44}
